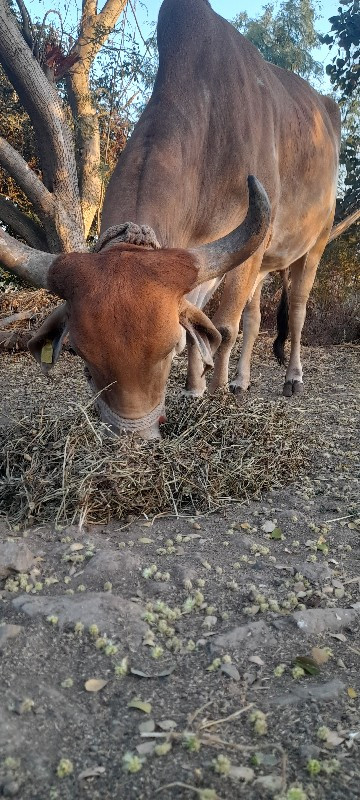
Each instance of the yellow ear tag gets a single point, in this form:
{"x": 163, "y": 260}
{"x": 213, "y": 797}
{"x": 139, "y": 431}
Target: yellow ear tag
{"x": 47, "y": 353}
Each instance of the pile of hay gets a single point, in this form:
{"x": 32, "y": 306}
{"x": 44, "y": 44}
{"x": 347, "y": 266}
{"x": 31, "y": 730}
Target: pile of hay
{"x": 63, "y": 469}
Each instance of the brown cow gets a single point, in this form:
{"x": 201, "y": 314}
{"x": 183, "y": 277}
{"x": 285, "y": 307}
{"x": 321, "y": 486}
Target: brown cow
{"x": 218, "y": 113}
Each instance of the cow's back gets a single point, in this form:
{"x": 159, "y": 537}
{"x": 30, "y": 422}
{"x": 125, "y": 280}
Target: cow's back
{"x": 219, "y": 112}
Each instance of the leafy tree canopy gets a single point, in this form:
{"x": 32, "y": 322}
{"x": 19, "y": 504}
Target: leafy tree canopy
{"x": 285, "y": 35}
{"x": 344, "y": 71}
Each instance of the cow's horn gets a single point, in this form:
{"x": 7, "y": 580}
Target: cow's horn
{"x": 31, "y": 265}
{"x": 222, "y": 255}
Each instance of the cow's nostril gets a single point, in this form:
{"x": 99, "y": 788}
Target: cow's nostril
{"x": 162, "y": 420}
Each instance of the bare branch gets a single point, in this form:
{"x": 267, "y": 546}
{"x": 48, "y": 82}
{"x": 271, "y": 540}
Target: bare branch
{"x": 28, "y": 181}
{"x": 43, "y": 104}
{"x": 31, "y": 265}
{"x": 337, "y": 230}
{"x": 26, "y": 23}
{"x": 21, "y": 224}
{"x": 18, "y": 317}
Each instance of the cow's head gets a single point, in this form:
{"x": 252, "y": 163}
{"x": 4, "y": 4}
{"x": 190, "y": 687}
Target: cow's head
{"x": 125, "y": 309}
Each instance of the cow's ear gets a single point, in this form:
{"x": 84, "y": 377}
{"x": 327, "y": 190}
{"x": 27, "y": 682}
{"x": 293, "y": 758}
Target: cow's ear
{"x": 201, "y": 330}
{"x": 45, "y": 346}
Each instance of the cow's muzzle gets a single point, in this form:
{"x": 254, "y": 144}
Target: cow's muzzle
{"x": 148, "y": 426}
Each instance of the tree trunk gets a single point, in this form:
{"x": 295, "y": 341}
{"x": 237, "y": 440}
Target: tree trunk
{"x": 63, "y": 222}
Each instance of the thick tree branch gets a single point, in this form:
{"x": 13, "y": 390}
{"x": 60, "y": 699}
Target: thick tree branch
{"x": 28, "y": 181}
{"x": 26, "y": 23}
{"x": 22, "y": 225}
{"x": 94, "y": 30}
{"x": 341, "y": 227}
{"x": 31, "y": 265}
{"x": 54, "y": 138}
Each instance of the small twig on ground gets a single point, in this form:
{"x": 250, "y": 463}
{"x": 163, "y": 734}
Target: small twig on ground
{"x": 198, "y": 711}
{"x": 236, "y": 714}
{"x": 20, "y": 315}
{"x": 354, "y": 650}
{"x": 208, "y": 740}
{"x": 179, "y": 785}
{"x": 339, "y": 519}
{"x": 284, "y": 768}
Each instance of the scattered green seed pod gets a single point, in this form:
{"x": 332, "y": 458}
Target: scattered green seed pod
{"x": 64, "y": 768}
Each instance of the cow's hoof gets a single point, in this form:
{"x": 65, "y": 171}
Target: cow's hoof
{"x": 238, "y": 391}
{"x": 298, "y": 387}
{"x": 291, "y": 388}
{"x": 287, "y": 389}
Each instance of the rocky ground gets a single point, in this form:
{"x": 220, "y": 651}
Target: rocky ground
{"x": 206, "y": 657}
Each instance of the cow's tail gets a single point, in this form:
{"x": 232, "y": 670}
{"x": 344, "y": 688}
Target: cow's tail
{"x": 282, "y": 319}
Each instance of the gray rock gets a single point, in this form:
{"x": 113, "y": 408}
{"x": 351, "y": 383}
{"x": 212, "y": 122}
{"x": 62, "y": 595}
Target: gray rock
{"x": 111, "y": 563}
{"x": 14, "y": 557}
{"x": 186, "y": 572}
{"x": 318, "y": 692}
{"x": 8, "y": 632}
{"x": 270, "y": 783}
{"x": 112, "y": 614}
{"x": 317, "y": 620}
{"x": 250, "y": 636}
{"x": 316, "y": 573}
{"x": 11, "y": 789}
{"x": 309, "y": 751}
{"x": 245, "y": 774}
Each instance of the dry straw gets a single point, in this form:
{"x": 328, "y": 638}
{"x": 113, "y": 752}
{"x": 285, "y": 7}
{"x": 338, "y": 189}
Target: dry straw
{"x": 64, "y": 469}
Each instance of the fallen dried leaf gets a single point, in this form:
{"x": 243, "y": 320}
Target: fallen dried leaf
{"x": 167, "y": 725}
{"x": 140, "y": 705}
{"x": 91, "y": 772}
{"x": 257, "y": 660}
{"x": 339, "y": 636}
{"x": 231, "y": 671}
{"x": 147, "y": 727}
{"x": 95, "y": 684}
{"x": 146, "y": 748}
{"x": 163, "y": 674}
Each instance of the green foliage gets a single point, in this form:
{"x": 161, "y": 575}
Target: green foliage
{"x": 344, "y": 71}
{"x": 286, "y": 36}
{"x": 350, "y": 153}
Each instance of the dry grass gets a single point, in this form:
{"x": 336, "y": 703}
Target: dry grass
{"x": 63, "y": 468}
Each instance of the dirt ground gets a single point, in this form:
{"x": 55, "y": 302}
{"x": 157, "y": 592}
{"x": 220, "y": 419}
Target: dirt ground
{"x": 222, "y": 651}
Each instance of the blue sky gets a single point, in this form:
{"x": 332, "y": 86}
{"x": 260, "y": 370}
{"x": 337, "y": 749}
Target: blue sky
{"x": 229, "y": 9}
{"x": 147, "y": 11}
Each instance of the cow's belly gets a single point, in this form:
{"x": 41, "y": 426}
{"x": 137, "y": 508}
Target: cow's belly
{"x": 295, "y": 233}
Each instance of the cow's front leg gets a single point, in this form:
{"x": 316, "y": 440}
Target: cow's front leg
{"x": 195, "y": 385}
{"x": 239, "y": 285}
{"x": 251, "y": 327}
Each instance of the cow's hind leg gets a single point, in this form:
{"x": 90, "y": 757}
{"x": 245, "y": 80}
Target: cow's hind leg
{"x": 303, "y": 273}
